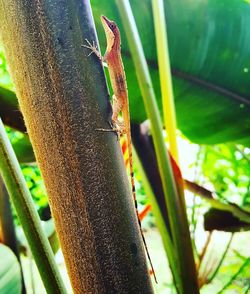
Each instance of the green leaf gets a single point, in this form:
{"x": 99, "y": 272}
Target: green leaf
{"x": 10, "y": 274}
{"x": 210, "y": 63}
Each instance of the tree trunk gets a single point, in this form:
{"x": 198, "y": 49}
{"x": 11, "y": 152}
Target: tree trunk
{"x": 63, "y": 98}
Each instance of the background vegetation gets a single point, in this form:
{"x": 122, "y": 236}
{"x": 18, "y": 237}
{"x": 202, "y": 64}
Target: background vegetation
{"x": 208, "y": 45}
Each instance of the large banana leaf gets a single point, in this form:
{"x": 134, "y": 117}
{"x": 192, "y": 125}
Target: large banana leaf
{"x": 210, "y": 58}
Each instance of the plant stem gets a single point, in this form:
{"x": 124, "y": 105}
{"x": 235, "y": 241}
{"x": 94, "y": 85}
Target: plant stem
{"x": 28, "y": 216}
{"x": 221, "y": 260}
{"x": 167, "y": 242}
{"x": 187, "y": 280}
{"x": 165, "y": 75}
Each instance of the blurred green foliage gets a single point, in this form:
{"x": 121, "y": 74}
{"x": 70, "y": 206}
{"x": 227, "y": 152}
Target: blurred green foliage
{"x": 35, "y": 184}
{"x": 226, "y": 166}
{"x": 5, "y": 80}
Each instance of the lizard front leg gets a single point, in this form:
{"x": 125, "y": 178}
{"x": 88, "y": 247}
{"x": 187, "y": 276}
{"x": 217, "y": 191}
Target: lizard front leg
{"x": 94, "y": 49}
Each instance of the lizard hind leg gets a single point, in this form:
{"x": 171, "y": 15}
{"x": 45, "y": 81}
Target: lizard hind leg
{"x": 119, "y": 127}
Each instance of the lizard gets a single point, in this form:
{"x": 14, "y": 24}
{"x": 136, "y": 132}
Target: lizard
{"x": 117, "y": 75}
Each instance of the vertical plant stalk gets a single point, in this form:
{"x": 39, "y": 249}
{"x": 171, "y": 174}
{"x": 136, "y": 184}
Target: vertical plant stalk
{"x": 28, "y": 216}
{"x": 167, "y": 242}
{"x": 204, "y": 250}
{"x": 143, "y": 143}
{"x": 165, "y": 75}
{"x": 187, "y": 281}
{"x": 63, "y": 97}
{"x": 195, "y": 211}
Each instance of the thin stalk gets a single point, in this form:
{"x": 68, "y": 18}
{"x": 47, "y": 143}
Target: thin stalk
{"x": 187, "y": 281}
{"x": 207, "y": 268}
{"x": 221, "y": 260}
{"x": 28, "y": 216}
{"x": 204, "y": 250}
{"x": 242, "y": 153}
{"x": 239, "y": 255}
{"x": 194, "y": 213}
{"x": 167, "y": 242}
{"x": 165, "y": 75}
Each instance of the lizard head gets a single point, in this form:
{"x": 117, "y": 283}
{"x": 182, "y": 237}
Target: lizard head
{"x": 112, "y": 33}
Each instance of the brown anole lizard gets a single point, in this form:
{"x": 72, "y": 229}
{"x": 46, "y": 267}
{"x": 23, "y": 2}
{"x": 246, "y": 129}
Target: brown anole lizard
{"x": 120, "y": 98}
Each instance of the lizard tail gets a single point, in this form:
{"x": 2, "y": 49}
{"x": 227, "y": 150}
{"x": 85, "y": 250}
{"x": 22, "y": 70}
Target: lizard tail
{"x": 132, "y": 179}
